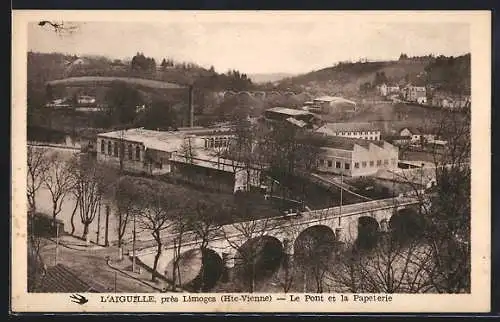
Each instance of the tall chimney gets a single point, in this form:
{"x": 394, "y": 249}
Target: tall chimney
{"x": 191, "y": 107}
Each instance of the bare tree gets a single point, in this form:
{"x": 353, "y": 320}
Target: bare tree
{"x": 37, "y": 164}
{"x": 450, "y": 209}
{"x": 58, "y": 180}
{"x": 205, "y": 221}
{"x": 447, "y": 203}
{"x": 249, "y": 243}
{"x": 126, "y": 205}
{"x": 87, "y": 187}
{"x": 390, "y": 267}
{"x": 187, "y": 150}
{"x": 158, "y": 206}
{"x": 35, "y": 261}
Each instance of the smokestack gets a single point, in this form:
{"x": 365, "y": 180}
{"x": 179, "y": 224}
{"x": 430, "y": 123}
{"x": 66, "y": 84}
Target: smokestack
{"x": 191, "y": 107}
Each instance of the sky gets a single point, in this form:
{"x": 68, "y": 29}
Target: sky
{"x": 257, "y": 47}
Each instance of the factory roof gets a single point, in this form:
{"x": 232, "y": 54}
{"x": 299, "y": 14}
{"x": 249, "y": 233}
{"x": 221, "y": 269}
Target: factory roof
{"x": 161, "y": 140}
{"x": 341, "y": 143}
{"x": 288, "y": 111}
{"x": 334, "y": 99}
{"x": 343, "y": 127}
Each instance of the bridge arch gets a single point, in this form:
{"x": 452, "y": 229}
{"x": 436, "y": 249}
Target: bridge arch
{"x": 259, "y": 256}
{"x": 198, "y": 269}
{"x": 368, "y": 232}
{"x": 314, "y": 242}
{"x": 407, "y": 224}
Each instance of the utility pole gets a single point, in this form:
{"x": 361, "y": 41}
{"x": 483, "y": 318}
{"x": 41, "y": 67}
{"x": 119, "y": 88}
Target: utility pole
{"x": 106, "y": 241}
{"x": 133, "y": 246}
{"x": 98, "y": 222}
{"x": 341, "y": 189}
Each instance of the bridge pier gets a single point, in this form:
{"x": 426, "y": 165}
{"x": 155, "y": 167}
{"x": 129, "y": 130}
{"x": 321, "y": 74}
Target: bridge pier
{"x": 287, "y": 252}
{"x": 228, "y": 262}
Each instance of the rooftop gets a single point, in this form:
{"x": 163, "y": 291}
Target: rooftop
{"x": 298, "y": 123}
{"x": 161, "y": 140}
{"x": 343, "y": 127}
{"x": 288, "y": 111}
{"x": 341, "y": 143}
{"x": 60, "y": 279}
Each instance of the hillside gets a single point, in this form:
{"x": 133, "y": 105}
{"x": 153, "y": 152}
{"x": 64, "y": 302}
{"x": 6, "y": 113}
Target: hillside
{"x": 43, "y": 67}
{"x": 346, "y": 78}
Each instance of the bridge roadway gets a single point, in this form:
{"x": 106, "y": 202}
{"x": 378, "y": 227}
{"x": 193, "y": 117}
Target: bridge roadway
{"x": 342, "y": 220}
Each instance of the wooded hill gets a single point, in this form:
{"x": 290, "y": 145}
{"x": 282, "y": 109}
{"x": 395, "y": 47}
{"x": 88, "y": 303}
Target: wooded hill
{"x": 347, "y": 78}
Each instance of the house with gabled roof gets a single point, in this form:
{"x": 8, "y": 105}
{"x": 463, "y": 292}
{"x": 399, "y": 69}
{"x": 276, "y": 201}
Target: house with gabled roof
{"x": 359, "y": 130}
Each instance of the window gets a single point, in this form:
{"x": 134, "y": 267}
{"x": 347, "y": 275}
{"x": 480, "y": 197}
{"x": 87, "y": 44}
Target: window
{"x": 212, "y": 142}
{"x": 122, "y": 149}
{"x": 109, "y": 148}
{"x": 321, "y": 162}
{"x": 337, "y": 165}
{"x": 379, "y": 163}
{"x": 130, "y": 152}
{"x": 347, "y": 166}
{"x": 363, "y": 164}
{"x": 386, "y": 162}
{"x": 356, "y": 165}
{"x": 330, "y": 163}
{"x": 393, "y": 161}
{"x": 206, "y": 143}
{"x": 103, "y": 146}
{"x": 372, "y": 163}
{"x": 115, "y": 150}
{"x": 138, "y": 153}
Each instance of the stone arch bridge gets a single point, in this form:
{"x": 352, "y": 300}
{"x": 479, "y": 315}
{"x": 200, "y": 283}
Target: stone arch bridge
{"x": 341, "y": 224}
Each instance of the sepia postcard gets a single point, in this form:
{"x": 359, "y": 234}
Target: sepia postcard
{"x": 240, "y": 161}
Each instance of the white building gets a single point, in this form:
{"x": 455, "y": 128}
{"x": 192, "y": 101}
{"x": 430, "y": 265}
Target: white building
{"x": 86, "y": 99}
{"x": 150, "y": 151}
{"x": 162, "y": 152}
{"x": 417, "y": 136}
{"x": 364, "y": 131}
{"x": 355, "y": 157}
{"x": 332, "y": 104}
{"x": 416, "y": 94}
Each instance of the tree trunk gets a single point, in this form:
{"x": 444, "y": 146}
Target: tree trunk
{"x": 73, "y": 218}
{"x": 85, "y": 230}
{"x": 157, "y": 257}
{"x": 54, "y": 212}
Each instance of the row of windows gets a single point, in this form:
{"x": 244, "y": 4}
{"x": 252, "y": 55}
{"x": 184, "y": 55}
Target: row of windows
{"x": 364, "y": 164}
{"x": 114, "y": 149}
{"x": 357, "y": 133}
{"x": 372, "y": 163}
{"x": 338, "y": 164}
{"x": 217, "y": 142}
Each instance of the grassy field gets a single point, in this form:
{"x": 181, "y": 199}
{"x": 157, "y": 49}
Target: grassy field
{"x": 97, "y": 80}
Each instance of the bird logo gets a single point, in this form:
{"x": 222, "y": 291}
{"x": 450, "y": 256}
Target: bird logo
{"x": 77, "y": 298}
